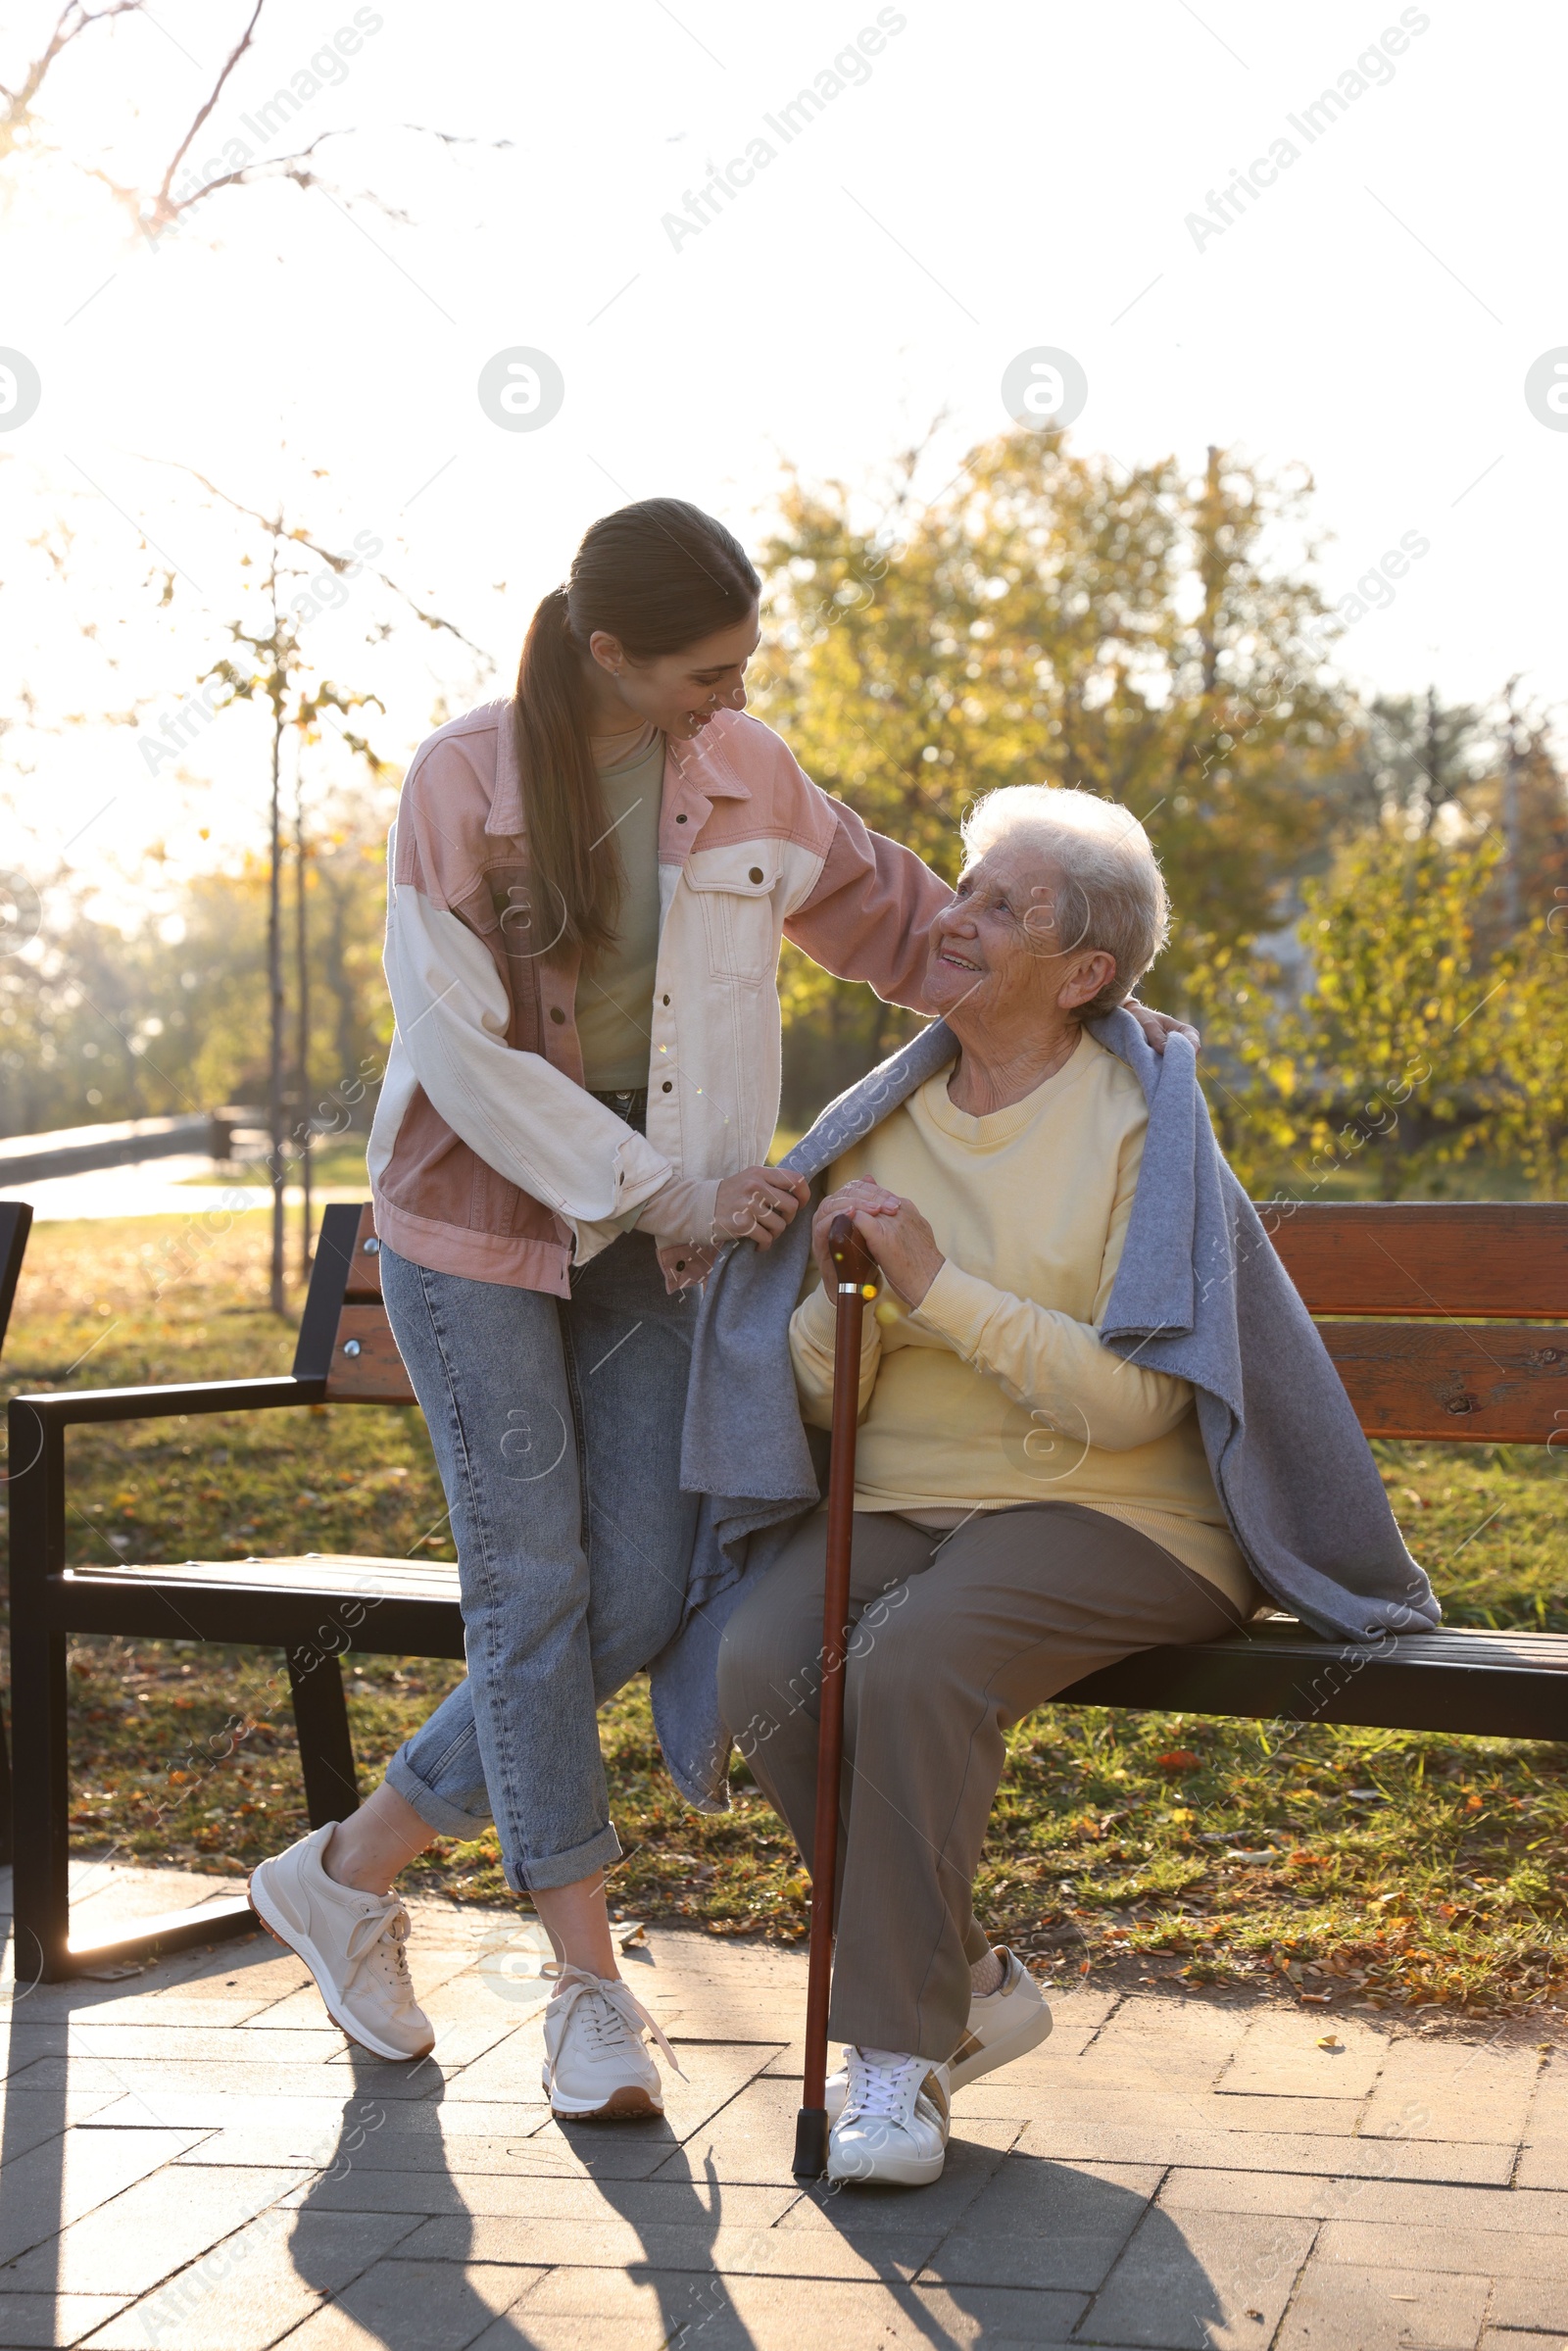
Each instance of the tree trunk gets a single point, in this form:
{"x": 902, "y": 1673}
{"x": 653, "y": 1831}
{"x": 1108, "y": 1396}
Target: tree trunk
{"x": 301, "y": 967}
{"x": 274, "y": 1000}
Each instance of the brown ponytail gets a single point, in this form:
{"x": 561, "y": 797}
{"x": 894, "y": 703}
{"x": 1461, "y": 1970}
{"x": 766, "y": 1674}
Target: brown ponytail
{"x": 660, "y": 576}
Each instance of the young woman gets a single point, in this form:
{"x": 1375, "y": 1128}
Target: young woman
{"x": 588, "y": 885}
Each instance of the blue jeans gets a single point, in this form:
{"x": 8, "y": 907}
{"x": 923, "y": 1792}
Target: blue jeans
{"x": 556, "y": 1425}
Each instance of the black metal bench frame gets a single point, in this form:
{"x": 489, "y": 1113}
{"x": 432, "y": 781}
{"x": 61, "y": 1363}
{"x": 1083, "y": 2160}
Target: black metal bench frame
{"x": 1426, "y": 1373}
{"x": 15, "y": 1223}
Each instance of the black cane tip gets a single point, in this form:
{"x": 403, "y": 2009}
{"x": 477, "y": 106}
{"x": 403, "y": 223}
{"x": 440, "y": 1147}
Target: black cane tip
{"x": 810, "y": 2143}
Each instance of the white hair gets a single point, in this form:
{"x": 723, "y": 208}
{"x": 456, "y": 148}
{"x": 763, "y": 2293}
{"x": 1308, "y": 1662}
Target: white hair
{"x": 1113, "y": 894}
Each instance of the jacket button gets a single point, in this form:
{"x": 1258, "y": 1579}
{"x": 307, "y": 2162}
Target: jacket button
{"x": 664, "y": 1000}
{"x": 556, "y": 1013}
{"x": 668, "y": 1086}
{"x": 680, "y": 820}
{"x": 755, "y": 874}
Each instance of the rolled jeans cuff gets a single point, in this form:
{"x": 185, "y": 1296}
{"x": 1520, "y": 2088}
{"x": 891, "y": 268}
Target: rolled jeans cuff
{"x": 601, "y": 1851}
{"x": 436, "y": 1812}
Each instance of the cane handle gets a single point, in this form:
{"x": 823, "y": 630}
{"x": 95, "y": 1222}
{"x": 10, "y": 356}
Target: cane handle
{"x": 853, "y": 1260}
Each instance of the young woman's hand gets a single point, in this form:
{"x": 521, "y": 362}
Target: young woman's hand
{"x": 758, "y": 1204}
{"x": 893, "y": 1229}
{"x": 1157, "y": 1026}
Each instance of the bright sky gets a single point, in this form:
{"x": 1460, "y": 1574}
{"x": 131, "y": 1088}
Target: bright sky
{"x": 990, "y": 181}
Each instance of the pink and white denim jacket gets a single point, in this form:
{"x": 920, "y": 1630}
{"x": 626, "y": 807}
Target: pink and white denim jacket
{"x": 488, "y": 1158}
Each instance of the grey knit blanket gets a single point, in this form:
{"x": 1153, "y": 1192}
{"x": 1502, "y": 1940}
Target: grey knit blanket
{"x": 1200, "y": 1292}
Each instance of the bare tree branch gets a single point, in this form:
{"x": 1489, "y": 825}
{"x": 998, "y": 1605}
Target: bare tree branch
{"x": 235, "y": 54}
{"x": 278, "y": 529}
{"x": 162, "y": 208}
{"x": 74, "y": 20}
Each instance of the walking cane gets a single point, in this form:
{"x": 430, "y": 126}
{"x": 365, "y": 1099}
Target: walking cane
{"x": 858, "y": 1281}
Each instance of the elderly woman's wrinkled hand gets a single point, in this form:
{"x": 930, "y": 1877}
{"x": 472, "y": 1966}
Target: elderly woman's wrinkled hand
{"x": 893, "y": 1229}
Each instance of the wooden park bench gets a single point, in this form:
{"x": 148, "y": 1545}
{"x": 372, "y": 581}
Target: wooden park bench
{"x": 1436, "y": 1316}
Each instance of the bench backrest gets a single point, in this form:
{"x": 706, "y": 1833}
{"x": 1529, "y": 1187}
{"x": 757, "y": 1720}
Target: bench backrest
{"x": 1433, "y": 1312}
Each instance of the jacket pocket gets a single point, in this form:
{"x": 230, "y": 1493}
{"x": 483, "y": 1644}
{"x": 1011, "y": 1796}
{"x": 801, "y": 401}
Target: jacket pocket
{"x": 737, "y": 891}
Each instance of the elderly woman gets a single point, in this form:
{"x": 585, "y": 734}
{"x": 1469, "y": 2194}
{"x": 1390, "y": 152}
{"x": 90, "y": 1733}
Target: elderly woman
{"x": 1030, "y": 1504}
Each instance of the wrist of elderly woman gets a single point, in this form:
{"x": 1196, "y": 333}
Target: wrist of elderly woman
{"x": 954, "y": 1306}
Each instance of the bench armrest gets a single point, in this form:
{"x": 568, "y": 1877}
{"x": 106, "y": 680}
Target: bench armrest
{"x": 60, "y": 1409}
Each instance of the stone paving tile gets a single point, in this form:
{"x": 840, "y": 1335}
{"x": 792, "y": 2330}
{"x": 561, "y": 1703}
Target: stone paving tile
{"x": 28, "y": 2120}
{"x": 1083, "y": 2140}
{"x": 421, "y": 2306}
{"x": 1541, "y": 2303}
{"x": 298, "y": 2123}
{"x": 1489, "y": 2252}
{"x": 248, "y": 2292}
{"x": 1147, "y": 2037}
{"x": 1548, "y": 2115}
{"x": 354, "y": 2138}
{"x": 1385, "y": 2310}
{"x": 171, "y": 2043}
{"x": 1446, "y": 2089}
{"x": 617, "y": 2245}
{"x": 1304, "y": 2193}
{"x": 598, "y": 2333}
{"x": 29, "y": 2321}
{"x": 1503, "y": 2338}
{"x": 1278, "y": 2056}
{"x": 1156, "y": 2109}
{"x": 138, "y": 2240}
{"x": 58, "y": 2183}
{"x": 1275, "y": 2152}
{"x": 771, "y": 2314}
{"x": 173, "y": 2004}
{"x": 459, "y": 2042}
{"x": 511, "y": 2195}
{"x": 1046, "y": 2225}
{"x": 1192, "y": 2286}
{"x": 1543, "y": 2162}
{"x": 152, "y": 2078}
{"x": 1402, "y": 2205}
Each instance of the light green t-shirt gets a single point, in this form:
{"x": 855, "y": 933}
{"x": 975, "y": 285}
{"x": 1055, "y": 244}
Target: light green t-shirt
{"x": 615, "y": 1004}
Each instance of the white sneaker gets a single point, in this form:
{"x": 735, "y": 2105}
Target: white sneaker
{"x": 893, "y": 2129}
{"x": 353, "y": 1945}
{"x": 1003, "y": 2025}
{"x": 596, "y": 2069}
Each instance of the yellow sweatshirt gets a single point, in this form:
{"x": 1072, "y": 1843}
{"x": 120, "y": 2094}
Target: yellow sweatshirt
{"x": 997, "y": 1388}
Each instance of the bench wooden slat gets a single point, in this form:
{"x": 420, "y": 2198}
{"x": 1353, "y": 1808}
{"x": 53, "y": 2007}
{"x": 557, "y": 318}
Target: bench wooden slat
{"x": 365, "y": 1268}
{"x": 314, "y": 1610}
{"x": 1423, "y": 1257}
{"x": 322, "y": 1575}
{"x": 1456, "y": 1380}
{"x": 1475, "y": 1683}
{"x": 374, "y": 1373}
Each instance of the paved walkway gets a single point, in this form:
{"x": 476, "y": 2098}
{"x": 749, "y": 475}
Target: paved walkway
{"x": 194, "y": 2161}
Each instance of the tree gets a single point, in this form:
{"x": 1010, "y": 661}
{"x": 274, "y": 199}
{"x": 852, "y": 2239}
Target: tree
{"x": 280, "y": 676}
{"x": 1418, "y": 760}
{"x": 1053, "y": 618}
{"x": 1390, "y": 1068}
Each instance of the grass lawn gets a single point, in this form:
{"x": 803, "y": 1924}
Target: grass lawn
{"x": 1354, "y": 1866}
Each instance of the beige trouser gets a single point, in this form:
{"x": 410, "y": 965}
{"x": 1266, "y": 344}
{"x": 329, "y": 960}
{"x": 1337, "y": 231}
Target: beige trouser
{"x": 956, "y": 1636}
